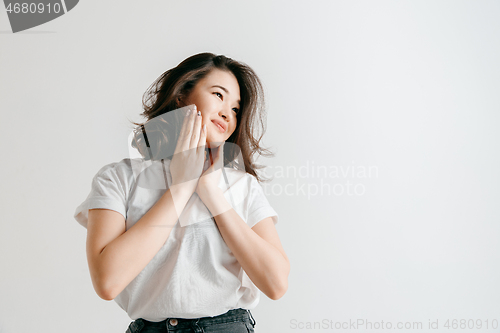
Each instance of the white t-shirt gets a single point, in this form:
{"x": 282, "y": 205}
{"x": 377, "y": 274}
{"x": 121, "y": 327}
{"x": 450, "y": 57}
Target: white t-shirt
{"x": 194, "y": 274}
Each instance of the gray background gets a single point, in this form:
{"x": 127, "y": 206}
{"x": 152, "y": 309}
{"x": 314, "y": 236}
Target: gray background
{"x": 407, "y": 87}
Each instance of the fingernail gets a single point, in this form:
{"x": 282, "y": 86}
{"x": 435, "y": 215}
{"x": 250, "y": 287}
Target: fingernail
{"x": 188, "y": 112}
{"x": 194, "y": 107}
{"x": 199, "y": 113}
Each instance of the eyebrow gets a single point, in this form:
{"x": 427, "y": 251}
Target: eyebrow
{"x": 227, "y": 92}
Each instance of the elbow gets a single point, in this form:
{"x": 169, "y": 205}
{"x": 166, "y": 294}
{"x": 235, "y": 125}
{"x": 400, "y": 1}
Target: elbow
{"x": 277, "y": 293}
{"x": 100, "y": 280}
{"x": 109, "y": 292}
{"x": 279, "y": 289}
{"x": 104, "y": 293}
{"x": 106, "y": 285}
{"x": 103, "y": 290}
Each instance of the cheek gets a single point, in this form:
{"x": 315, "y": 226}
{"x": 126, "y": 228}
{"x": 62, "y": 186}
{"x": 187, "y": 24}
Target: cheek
{"x": 204, "y": 114}
{"x": 233, "y": 130}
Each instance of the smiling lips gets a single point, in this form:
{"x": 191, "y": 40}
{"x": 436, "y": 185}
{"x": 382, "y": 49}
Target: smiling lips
{"x": 219, "y": 126}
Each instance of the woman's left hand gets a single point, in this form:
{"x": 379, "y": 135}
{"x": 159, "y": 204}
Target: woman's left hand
{"x": 208, "y": 182}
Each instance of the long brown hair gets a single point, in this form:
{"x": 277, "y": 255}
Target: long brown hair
{"x": 174, "y": 84}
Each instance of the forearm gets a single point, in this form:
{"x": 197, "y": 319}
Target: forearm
{"x": 127, "y": 255}
{"x": 264, "y": 264}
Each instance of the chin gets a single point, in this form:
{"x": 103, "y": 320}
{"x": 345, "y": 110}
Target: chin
{"x": 214, "y": 144}
{"x": 215, "y": 140}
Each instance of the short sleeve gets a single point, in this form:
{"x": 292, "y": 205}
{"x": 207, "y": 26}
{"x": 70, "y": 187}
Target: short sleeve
{"x": 259, "y": 207}
{"x": 107, "y": 191}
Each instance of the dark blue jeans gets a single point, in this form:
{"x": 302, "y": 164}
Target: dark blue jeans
{"x": 233, "y": 321}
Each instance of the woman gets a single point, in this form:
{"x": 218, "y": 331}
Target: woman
{"x": 177, "y": 239}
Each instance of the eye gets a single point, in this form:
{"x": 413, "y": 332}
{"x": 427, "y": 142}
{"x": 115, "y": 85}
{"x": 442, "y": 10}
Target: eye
{"x": 218, "y": 94}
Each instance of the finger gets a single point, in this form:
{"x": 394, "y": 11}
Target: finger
{"x": 195, "y": 136}
{"x": 186, "y": 130}
{"x": 189, "y": 129}
{"x": 202, "y": 142}
{"x": 186, "y": 113}
{"x": 183, "y": 130}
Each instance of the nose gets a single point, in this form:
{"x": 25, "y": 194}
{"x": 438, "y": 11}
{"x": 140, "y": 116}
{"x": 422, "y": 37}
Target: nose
{"x": 225, "y": 114}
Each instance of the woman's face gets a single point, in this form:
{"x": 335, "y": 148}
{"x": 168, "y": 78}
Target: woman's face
{"x": 217, "y": 97}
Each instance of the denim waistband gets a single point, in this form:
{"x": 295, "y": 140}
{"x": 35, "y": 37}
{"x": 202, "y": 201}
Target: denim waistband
{"x": 228, "y": 317}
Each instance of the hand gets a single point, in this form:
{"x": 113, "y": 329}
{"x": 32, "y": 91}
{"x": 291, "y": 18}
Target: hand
{"x": 209, "y": 180}
{"x": 187, "y": 162}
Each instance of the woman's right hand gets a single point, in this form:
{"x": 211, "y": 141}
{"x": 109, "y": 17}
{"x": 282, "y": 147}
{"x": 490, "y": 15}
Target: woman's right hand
{"x": 186, "y": 166}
